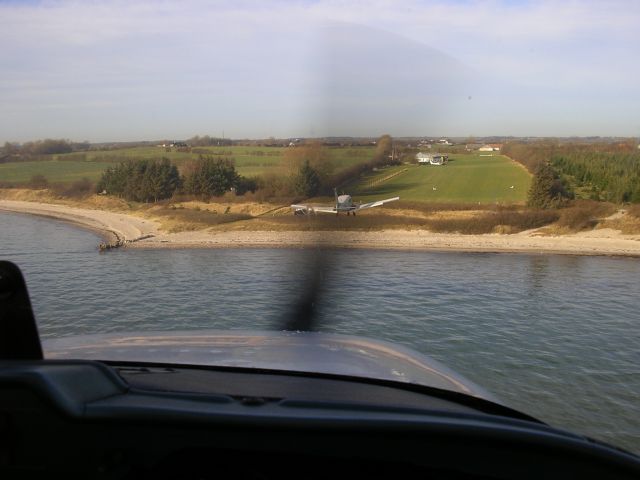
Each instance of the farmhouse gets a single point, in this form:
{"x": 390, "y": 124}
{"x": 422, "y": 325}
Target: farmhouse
{"x": 490, "y": 147}
{"x": 431, "y": 158}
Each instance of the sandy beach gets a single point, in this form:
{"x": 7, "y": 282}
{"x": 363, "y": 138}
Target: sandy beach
{"x": 113, "y": 226}
{"x": 137, "y": 232}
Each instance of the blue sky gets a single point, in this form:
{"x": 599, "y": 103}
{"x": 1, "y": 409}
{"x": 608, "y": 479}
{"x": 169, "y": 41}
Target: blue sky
{"x": 115, "y": 70}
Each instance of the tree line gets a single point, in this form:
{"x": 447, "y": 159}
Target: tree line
{"x": 613, "y": 177}
{"x": 48, "y": 146}
{"x": 153, "y": 180}
{"x": 601, "y": 171}
{"x": 312, "y": 170}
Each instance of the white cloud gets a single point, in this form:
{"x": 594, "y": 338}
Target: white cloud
{"x": 265, "y": 59}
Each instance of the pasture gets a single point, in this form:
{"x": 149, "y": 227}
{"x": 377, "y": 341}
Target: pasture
{"x": 250, "y": 161}
{"x": 54, "y": 171}
{"x": 467, "y": 178}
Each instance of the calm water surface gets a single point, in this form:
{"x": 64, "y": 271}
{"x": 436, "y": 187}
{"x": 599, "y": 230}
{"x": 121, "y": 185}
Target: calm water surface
{"x": 555, "y": 336}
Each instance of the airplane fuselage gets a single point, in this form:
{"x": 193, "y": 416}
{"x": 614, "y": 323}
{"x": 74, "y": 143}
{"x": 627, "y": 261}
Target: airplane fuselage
{"x": 343, "y": 203}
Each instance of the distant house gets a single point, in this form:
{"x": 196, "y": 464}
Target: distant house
{"x": 431, "y": 158}
{"x": 423, "y": 157}
{"x": 490, "y": 147}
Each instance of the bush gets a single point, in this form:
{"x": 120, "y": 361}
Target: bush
{"x": 78, "y": 189}
{"x": 307, "y": 182}
{"x": 271, "y": 186}
{"x": 245, "y": 185}
{"x": 194, "y": 219}
{"x": 141, "y": 180}
{"x": 38, "y": 182}
{"x": 634, "y": 210}
{"x": 583, "y": 215}
{"x": 210, "y": 177}
{"x": 495, "y": 222}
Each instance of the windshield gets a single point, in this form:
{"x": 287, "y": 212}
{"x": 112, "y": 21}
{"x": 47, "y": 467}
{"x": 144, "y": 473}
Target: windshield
{"x": 461, "y": 179}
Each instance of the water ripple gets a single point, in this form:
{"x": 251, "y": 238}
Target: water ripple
{"x": 555, "y": 336}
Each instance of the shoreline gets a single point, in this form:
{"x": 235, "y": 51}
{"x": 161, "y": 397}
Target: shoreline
{"x": 111, "y": 226}
{"x": 141, "y": 233}
{"x": 106, "y": 235}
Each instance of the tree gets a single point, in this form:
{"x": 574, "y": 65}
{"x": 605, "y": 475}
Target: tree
{"x": 47, "y": 146}
{"x": 10, "y": 149}
{"x": 245, "y": 185}
{"x": 141, "y": 180}
{"x": 211, "y": 177}
{"x": 384, "y": 145}
{"x": 546, "y": 189}
{"x": 315, "y": 154}
{"x": 307, "y": 182}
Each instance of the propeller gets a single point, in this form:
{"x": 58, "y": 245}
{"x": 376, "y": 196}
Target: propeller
{"x": 303, "y": 315}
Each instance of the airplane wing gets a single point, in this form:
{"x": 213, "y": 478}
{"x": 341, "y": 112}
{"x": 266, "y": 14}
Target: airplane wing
{"x": 313, "y": 209}
{"x": 377, "y": 203}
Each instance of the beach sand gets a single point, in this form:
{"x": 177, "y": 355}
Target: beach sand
{"x": 137, "y": 232}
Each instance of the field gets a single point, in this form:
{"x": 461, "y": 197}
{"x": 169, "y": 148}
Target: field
{"x": 55, "y": 171}
{"x": 466, "y": 178}
{"x": 250, "y": 161}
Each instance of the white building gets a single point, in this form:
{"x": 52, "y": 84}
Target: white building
{"x": 490, "y": 147}
{"x": 431, "y": 158}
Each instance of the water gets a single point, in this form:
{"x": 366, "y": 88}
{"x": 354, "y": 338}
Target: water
{"x": 555, "y": 336}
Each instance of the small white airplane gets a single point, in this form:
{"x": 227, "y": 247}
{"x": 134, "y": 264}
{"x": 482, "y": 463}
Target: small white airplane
{"x": 344, "y": 203}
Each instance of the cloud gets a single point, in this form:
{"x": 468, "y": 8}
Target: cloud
{"x": 272, "y": 68}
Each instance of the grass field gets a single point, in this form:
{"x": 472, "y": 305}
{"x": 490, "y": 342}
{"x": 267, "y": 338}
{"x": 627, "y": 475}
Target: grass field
{"x": 54, "y": 171}
{"x": 466, "y": 178}
{"x": 250, "y": 161}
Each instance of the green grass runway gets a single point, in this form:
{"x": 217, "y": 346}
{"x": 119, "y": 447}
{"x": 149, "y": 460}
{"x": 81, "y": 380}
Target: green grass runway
{"x": 467, "y": 178}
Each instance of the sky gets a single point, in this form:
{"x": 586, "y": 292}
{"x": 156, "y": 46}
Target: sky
{"x": 150, "y": 70}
